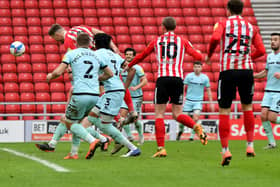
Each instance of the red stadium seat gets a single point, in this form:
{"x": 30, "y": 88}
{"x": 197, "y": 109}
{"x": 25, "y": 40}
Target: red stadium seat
{"x": 104, "y": 12}
{"x": 91, "y": 21}
{"x": 162, "y": 12}
{"x": 146, "y": 12}
{"x": 149, "y": 21}
{"x": 5, "y": 49}
{"x": 106, "y": 21}
{"x": 148, "y": 96}
{"x": 130, "y": 3}
{"x": 215, "y": 66}
{"x": 74, "y": 21}
{"x": 20, "y": 30}
{"x": 53, "y": 58}
{"x": 258, "y": 96}
{"x": 218, "y": 12}
{"x": 61, "y": 12}
{"x": 145, "y": 4}
{"x": 39, "y": 77}
{"x": 38, "y": 58}
{"x": 149, "y": 37}
{"x": 27, "y": 97}
{"x": 122, "y": 47}
{"x": 252, "y": 20}
{"x": 123, "y": 39}
{"x": 149, "y": 107}
{"x": 58, "y": 97}
{"x": 39, "y": 68}
{"x": 187, "y": 4}
{"x": 35, "y": 39}
{"x": 1, "y": 89}
{"x": 6, "y": 30}
{"x": 47, "y": 21}
{"x": 108, "y": 29}
{"x": 5, "y": 21}
{"x": 29, "y": 4}
{"x": 216, "y": 76}
{"x": 260, "y": 66}
{"x": 34, "y": 30}
{"x": 9, "y": 77}
{"x": 196, "y": 38}
{"x": 12, "y": 109}
{"x": 216, "y": 4}
{"x": 6, "y": 39}
{"x": 25, "y": 58}
{"x": 175, "y": 12}
{"x": 45, "y": 4}
{"x": 42, "y": 97}
{"x": 138, "y": 39}
{"x": 19, "y": 21}
{"x": 88, "y": 4}
{"x": 41, "y": 87}
{"x": 89, "y": 12}
{"x": 207, "y": 29}
{"x": 5, "y": 12}
{"x": 25, "y": 77}
{"x": 58, "y": 108}
{"x": 151, "y": 30}
{"x": 180, "y": 20}
{"x": 36, "y": 48}
{"x": 24, "y": 68}
{"x": 49, "y": 40}
{"x": 203, "y": 12}
{"x": 206, "y": 21}
{"x": 121, "y": 30}
{"x": 24, "y": 40}
{"x": 32, "y": 12}
{"x": 181, "y": 29}
{"x": 173, "y": 4}
{"x": 28, "y": 108}
{"x": 259, "y": 86}
{"x": 16, "y": 4}
{"x": 136, "y": 30}
{"x": 195, "y": 29}
{"x": 74, "y": 4}
{"x": 158, "y": 4}
{"x": 11, "y": 97}
{"x": 189, "y": 12}
{"x": 26, "y": 87}
{"x": 131, "y": 21}
{"x": 11, "y": 87}
{"x": 64, "y": 21}
{"x": 5, "y": 4}
{"x": 257, "y": 107}
{"x": 18, "y": 13}
{"x": 116, "y": 4}
{"x": 120, "y": 21}
{"x": 150, "y": 86}
{"x": 46, "y": 12}
{"x": 139, "y": 47}
{"x": 50, "y": 48}
{"x": 59, "y": 4}
{"x": 132, "y": 12}
{"x": 118, "y": 12}
{"x": 149, "y": 76}
{"x": 102, "y": 4}
{"x": 9, "y": 68}
{"x": 201, "y": 3}
{"x": 57, "y": 87}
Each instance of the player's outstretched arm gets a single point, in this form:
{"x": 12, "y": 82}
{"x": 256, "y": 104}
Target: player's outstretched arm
{"x": 143, "y": 82}
{"x": 57, "y": 72}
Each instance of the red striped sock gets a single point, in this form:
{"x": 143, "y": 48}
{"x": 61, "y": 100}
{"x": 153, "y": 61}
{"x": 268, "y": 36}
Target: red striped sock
{"x": 224, "y": 129}
{"x": 160, "y": 132}
{"x": 249, "y": 123}
{"x": 186, "y": 120}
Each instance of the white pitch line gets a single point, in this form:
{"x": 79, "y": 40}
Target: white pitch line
{"x": 41, "y": 161}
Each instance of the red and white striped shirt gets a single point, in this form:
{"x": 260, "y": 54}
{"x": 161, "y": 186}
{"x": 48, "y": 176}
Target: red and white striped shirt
{"x": 70, "y": 41}
{"x": 169, "y": 49}
{"x": 236, "y": 36}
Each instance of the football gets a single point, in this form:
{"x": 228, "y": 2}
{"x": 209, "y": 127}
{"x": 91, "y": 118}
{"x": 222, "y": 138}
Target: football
{"x": 17, "y": 48}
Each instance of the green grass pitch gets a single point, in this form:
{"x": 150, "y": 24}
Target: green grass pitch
{"x": 188, "y": 164}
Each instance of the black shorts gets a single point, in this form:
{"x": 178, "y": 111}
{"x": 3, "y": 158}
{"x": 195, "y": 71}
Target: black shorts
{"x": 229, "y": 80}
{"x": 169, "y": 89}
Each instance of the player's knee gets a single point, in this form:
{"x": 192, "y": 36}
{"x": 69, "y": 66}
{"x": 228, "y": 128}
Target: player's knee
{"x": 106, "y": 118}
{"x": 95, "y": 112}
{"x": 272, "y": 117}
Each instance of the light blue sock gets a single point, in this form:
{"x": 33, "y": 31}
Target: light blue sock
{"x": 95, "y": 134}
{"x": 112, "y": 131}
{"x": 59, "y": 131}
{"x": 95, "y": 121}
{"x": 192, "y": 134}
{"x": 139, "y": 128}
{"x": 268, "y": 131}
{"x": 127, "y": 130}
{"x": 81, "y": 132}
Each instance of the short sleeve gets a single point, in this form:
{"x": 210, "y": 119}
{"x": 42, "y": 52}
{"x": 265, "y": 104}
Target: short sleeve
{"x": 186, "y": 80}
{"x": 207, "y": 82}
{"x": 139, "y": 71}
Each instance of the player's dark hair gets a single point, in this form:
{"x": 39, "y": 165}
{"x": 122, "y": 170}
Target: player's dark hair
{"x": 235, "y": 6}
{"x": 275, "y": 34}
{"x": 197, "y": 63}
{"x": 54, "y": 28}
{"x": 83, "y": 39}
{"x": 130, "y": 49}
{"x": 102, "y": 40}
{"x": 169, "y": 23}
